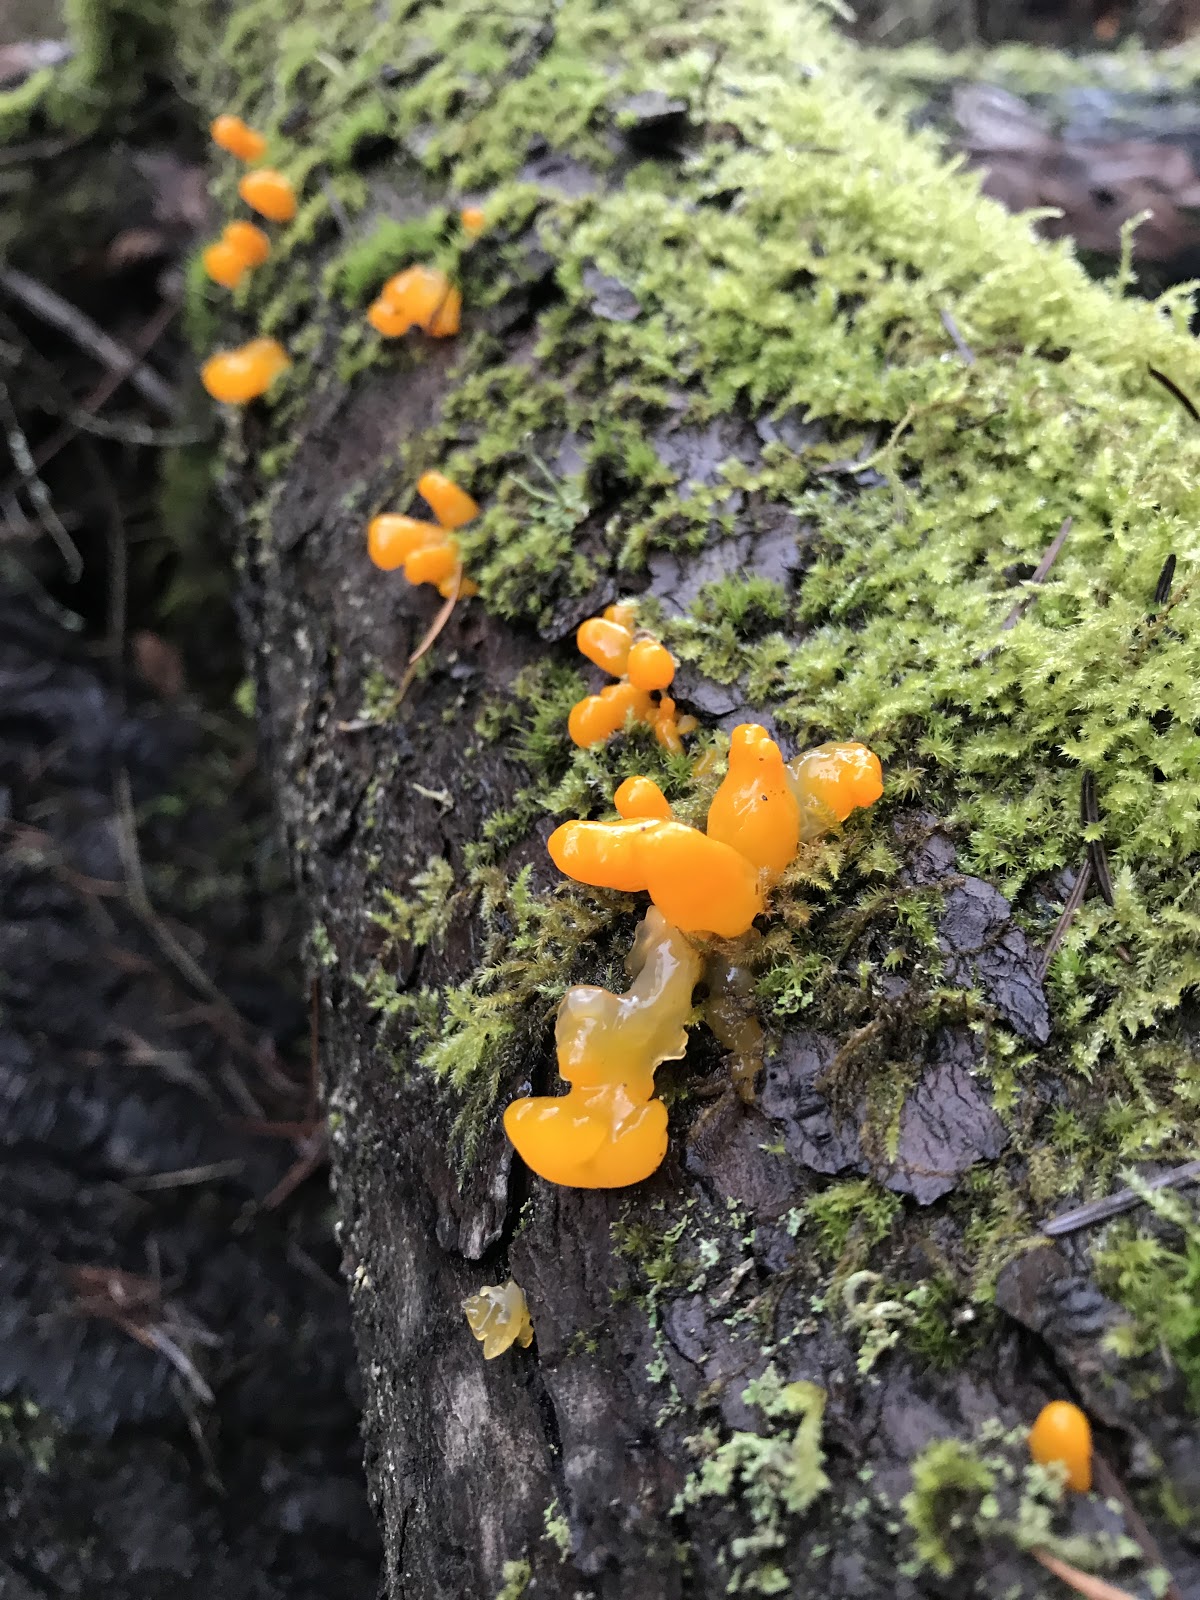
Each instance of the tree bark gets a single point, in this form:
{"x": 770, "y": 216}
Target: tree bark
{"x": 727, "y": 321}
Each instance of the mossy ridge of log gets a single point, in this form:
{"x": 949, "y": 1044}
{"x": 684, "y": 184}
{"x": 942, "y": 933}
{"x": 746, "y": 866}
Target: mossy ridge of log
{"x": 707, "y": 359}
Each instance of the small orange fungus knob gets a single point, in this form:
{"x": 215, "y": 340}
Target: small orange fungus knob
{"x": 622, "y": 611}
{"x": 651, "y": 665}
{"x": 251, "y": 243}
{"x": 269, "y": 193}
{"x": 641, "y": 797}
{"x": 605, "y": 643}
{"x": 236, "y": 376}
{"x": 232, "y": 134}
{"x": 451, "y": 505}
{"x": 224, "y": 264}
{"x": 466, "y": 588}
{"x": 418, "y": 297}
{"x": 754, "y": 810}
{"x": 1062, "y": 1433}
{"x": 432, "y": 563}
{"x": 598, "y": 716}
{"x": 473, "y": 220}
{"x": 392, "y": 539}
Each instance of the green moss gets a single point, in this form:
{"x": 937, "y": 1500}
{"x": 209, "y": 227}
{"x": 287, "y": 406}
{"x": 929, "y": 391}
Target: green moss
{"x": 29, "y": 1431}
{"x": 949, "y": 1483}
{"x": 557, "y": 1530}
{"x": 1156, "y": 1276}
{"x": 516, "y": 1576}
{"x": 777, "y": 1475}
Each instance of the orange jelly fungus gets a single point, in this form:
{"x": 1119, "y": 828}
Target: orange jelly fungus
{"x": 418, "y": 297}
{"x": 755, "y": 810}
{"x": 236, "y": 376}
{"x": 699, "y": 884}
{"x": 650, "y": 665}
{"x": 433, "y": 563}
{"x": 498, "y": 1316}
{"x": 232, "y": 134}
{"x": 606, "y": 644}
{"x": 1062, "y": 1433}
{"x": 641, "y": 797}
{"x": 452, "y": 506}
{"x": 609, "y": 1130}
{"x": 224, "y": 264}
{"x": 269, "y": 193}
{"x": 832, "y": 780}
{"x": 240, "y": 248}
{"x": 473, "y": 220}
{"x": 391, "y": 539}
{"x": 249, "y": 241}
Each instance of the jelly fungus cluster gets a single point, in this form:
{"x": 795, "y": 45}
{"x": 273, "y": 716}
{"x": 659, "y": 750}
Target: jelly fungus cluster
{"x": 644, "y": 670}
{"x": 609, "y": 1130}
{"x": 1062, "y": 1434}
{"x": 427, "y": 551}
{"x": 499, "y": 1318}
{"x": 419, "y": 297}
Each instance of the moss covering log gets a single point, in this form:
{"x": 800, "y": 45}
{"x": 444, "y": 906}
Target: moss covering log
{"x": 740, "y": 345}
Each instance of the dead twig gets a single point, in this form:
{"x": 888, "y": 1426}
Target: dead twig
{"x": 432, "y": 635}
{"x": 1112, "y": 1488}
{"x": 186, "y": 1177}
{"x": 1112, "y": 1205}
{"x": 956, "y": 338}
{"x": 1073, "y": 902}
{"x": 313, "y": 1154}
{"x": 58, "y": 313}
{"x": 1041, "y": 573}
{"x": 1173, "y": 388}
{"x": 180, "y": 958}
{"x": 136, "y": 1306}
{"x": 1089, "y": 815}
{"x": 37, "y": 491}
{"x": 1083, "y": 1583}
{"x": 1162, "y": 589}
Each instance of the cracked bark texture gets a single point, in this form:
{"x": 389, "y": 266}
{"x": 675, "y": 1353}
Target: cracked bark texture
{"x": 466, "y": 1461}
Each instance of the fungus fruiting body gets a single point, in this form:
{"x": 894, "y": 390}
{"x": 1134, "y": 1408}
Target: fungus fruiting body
{"x": 232, "y": 134}
{"x": 1063, "y": 1434}
{"x": 498, "y": 1315}
{"x": 269, "y": 193}
{"x": 643, "y": 668}
{"x": 418, "y": 297}
{"x": 608, "y": 1130}
{"x": 473, "y": 220}
{"x": 238, "y": 376}
{"x": 427, "y": 551}
{"x": 240, "y": 249}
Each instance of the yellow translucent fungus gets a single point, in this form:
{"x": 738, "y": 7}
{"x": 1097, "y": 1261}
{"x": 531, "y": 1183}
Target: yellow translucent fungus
{"x": 392, "y": 539}
{"x": 597, "y": 717}
{"x": 237, "y": 376}
{"x": 447, "y": 585}
{"x": 608, "y": 1131}
{"x": 621, "y": 611}
{"x": 755, "y": 809}
{"x": 473, "y": 220}
{"x": 668, "y": 727}
{"x": 269, "y": 193}
{"x": 650, "y": 665}
{"x": 498, "y": 1315}
{"x": 832, "y": 780}
{"x": 729, "y": 1013}
{"x": 606, "y": 644}
{"x": 641, "y": 797}
{"x": 418, "y": 297}
{"x": 1063, "y": 1434}
{"x": 232, "y": 134}
{"x": 699, "y": 884}
{"x": 451, "y": 505}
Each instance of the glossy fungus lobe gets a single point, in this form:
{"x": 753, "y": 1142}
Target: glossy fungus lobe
{"x": 232, "y": 134}
{"x": 451, "y": 505}
{"x": 651, "y": 665}
{"x": 392, "y": 539}
{"x": 269, "y": 193}
{"x": 237, "y": 376}
{"x": 1063, "y": 1434}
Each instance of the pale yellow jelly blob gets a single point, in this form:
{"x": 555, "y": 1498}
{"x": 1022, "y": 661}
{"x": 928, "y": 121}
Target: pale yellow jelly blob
{"x": 832, "y": 780}
{"x": 641, "y": 797}
{"x": 754, "y": 810}
{"x": 499, "y": 1317}
{"x": 698, "y": 883}
{"x": 608, "y": 1131}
